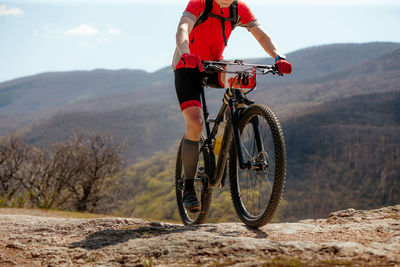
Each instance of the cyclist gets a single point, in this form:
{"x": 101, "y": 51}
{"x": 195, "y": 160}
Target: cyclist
{"x": 202, "y": 34}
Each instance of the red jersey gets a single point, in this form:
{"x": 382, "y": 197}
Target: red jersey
{"x": 206, "y": 39}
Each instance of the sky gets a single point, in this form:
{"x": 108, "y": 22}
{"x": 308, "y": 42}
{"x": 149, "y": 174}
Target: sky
{"x": 63, "y": 35}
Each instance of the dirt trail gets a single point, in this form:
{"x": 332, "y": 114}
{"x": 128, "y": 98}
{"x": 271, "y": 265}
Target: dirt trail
{"x": 346, "y": 238}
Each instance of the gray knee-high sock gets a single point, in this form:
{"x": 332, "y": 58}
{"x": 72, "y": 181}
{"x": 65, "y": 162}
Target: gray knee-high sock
{"x": 190, "y": 156}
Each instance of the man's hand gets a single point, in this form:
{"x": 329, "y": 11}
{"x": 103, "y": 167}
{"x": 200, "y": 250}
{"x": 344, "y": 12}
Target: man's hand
{"x": 191, "y": 61}
{"x": 283, "y": 66}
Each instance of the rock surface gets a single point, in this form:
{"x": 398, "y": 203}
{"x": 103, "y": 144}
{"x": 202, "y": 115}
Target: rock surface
{"x": 345, "y": 238}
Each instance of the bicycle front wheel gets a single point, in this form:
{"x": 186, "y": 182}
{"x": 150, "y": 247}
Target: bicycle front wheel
{"x": 256, "y": 191}
{"x": 201, "y": 186}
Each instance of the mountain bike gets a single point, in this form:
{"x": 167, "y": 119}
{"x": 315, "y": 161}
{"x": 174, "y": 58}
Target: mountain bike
{"x": 252, "y": 150}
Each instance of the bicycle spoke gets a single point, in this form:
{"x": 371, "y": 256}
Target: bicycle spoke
{"x": 245, "y": 150}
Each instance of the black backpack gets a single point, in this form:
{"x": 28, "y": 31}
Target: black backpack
{"x": 233, "y": 18}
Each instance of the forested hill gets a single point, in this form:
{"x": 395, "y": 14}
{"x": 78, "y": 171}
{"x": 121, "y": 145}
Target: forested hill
{"x": 316, "y": 61}
{"x": 345, "y": 153}
{"x": 150, "y": 120}
{"x": 29, "y": 99}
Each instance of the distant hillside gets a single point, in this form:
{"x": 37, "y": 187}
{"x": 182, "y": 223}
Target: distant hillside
{"x": 150, "y": 117}
{"x": 146, "y": 129}
{"x": 316, "y": 61}
{"x": 29, "y": 99}
{"x": 377, "y": 75}
{"x": 344, "y": 153}
{"x": 26, "y": 100}
{"x": 60, "y": 88}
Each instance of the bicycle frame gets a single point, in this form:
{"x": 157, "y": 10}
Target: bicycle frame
{"x": 231, "y": 108}
{"x": 234, "y": 99}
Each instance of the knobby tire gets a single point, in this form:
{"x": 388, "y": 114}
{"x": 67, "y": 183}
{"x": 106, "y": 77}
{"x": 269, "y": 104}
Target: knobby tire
{"x": 278, "y": 143}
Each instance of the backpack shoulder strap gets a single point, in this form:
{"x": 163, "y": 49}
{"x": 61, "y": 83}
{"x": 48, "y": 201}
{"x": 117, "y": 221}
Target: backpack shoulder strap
{"x": 233, "y": 10}
{"x": 206, "y": 12}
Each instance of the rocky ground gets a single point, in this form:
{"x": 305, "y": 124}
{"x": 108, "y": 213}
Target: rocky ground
{"x": 346, "y": 238}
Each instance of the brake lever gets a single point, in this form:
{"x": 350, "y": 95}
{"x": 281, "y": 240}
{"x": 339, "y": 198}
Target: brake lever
{"x": 213, "y": 68}
{"x": 274, "y": 70}
{"x": 270, "y": 70}
{"x": 265, "y": 71}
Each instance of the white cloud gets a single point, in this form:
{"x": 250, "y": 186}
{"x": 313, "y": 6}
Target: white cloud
{"x": 82, "y": 30}
{"x": 113, "y": 31}
{"x": 11, "y": 11}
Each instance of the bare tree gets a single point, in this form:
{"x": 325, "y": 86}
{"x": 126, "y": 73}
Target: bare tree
{"x": 70, "y": 175}
{"x": 47, "y": 174}
{"x": 37, "y": 177}
{"x": 13, "y": 154}
{"x": 99, "y": 159}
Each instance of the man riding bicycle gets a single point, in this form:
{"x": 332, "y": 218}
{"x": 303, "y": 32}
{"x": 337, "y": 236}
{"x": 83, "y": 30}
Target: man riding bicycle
{"x": 202, "y": 34}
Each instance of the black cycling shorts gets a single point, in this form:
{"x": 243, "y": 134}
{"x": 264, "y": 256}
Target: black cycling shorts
{"x": 188, "y": 84}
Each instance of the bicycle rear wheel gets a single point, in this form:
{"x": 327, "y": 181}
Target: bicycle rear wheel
{"x": 256, "y": 191}
{"x": 201, "y": 186}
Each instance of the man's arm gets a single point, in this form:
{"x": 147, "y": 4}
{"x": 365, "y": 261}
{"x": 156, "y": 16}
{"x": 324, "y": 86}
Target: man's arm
{"x": 182, "y": 44}
{"x": 182, "y": 35}
{"x": 265, "y": 41}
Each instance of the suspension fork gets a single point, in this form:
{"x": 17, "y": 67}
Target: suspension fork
{"x": 236, "y": 135}
{"x": 256, "y": 128}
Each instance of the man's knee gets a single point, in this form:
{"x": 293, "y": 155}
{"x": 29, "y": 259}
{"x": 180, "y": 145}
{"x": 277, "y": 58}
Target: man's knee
{"x": 194, "y": 119}
{"x": 195, "y": 124}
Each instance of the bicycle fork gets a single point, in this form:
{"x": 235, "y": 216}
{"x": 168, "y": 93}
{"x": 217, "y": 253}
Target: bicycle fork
{"x": 238, "y": 142}
{"x": 236, "y": 134}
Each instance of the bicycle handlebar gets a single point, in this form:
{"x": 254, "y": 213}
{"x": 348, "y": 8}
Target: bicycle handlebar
{"x": 217, "y": 66}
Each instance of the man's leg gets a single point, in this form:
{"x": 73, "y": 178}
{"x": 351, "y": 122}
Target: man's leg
{"x": 188, "y": 85}
{"x": 190, "y": 147}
